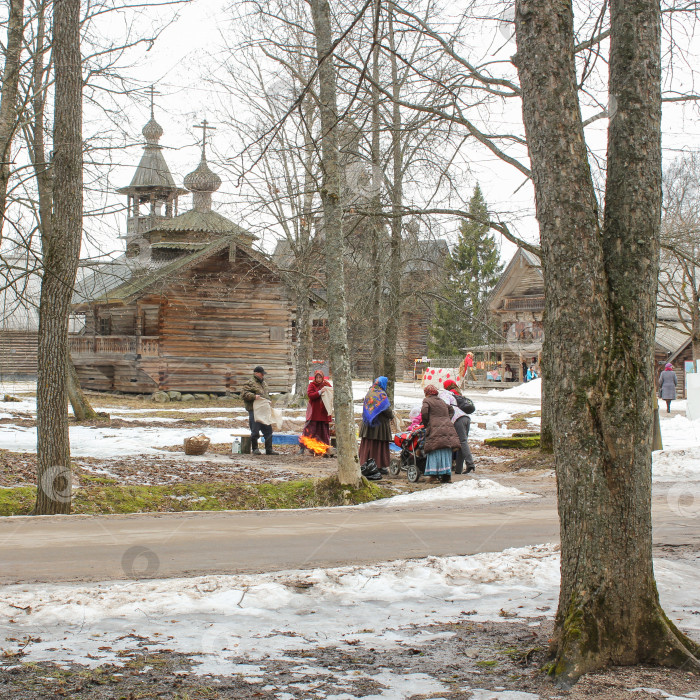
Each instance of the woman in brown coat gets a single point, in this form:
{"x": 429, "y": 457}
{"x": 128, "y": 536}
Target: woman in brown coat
{"x": 440, "y": 435}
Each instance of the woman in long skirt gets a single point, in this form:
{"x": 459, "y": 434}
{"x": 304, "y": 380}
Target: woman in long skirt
{"x": 375, "y": 431}
{"x": 440, "y": 435}
{"x": 317, "y": 417}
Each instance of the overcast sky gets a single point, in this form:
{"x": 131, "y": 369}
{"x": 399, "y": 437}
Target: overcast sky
{"x": 178, "y": 61}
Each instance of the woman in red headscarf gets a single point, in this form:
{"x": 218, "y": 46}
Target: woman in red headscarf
{"x": 317, "y": 417}
{"x": 461, "y": 422}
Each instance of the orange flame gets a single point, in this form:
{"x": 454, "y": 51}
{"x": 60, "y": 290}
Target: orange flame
{"x": 316, "y": 446}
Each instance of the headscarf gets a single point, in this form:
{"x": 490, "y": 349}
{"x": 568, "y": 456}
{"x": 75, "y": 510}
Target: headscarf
{"x": 668, "y": 366}
{"x": 430, "y": 390}
{"x": 316, "y": 374}
{"x": 449, "y": 398}
{"x": 451, "y": 385}
{"x": 375, "y": 402}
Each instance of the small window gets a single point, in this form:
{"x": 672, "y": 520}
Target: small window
{"x": 105, "y": 326}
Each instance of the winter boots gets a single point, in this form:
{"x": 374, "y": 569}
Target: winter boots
{"x": 268, "y": 447}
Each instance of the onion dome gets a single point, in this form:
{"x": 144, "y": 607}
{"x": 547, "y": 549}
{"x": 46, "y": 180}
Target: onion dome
{"x": 152, "y": 131}
{"x": 202, "y": 179}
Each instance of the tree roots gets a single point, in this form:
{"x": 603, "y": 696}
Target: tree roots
{"x": 584, "y": 644}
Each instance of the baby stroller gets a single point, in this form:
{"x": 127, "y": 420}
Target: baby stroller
{"x": 411, "y": 458}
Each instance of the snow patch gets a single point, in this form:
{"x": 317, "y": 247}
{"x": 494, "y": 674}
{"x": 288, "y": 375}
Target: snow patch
{"x": 529, "y": 390}
{"x": 482, "y": 490}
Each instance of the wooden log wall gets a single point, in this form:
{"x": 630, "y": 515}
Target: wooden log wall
{"x": 216, "y": 322}
{"x": 18, "y": 350}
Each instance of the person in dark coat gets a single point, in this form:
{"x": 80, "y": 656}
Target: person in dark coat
{"x": 440, "y": 435}
{"x": 375, "y": 431}
{"x": 462, "y": 423}
{"x": 317, "y": 417}
{"x": 667, "y": 385}
{"x": 256, "y": 388}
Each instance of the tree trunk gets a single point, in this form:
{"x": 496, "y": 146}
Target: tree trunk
{"x": 8, "y": 99}
{"x": 393, "y": 305}
{"x": 304, "y": 343}
{"x": 82, "y": 410}
{"x": 600, "y": 382}
{"x": 348, "y": 462}
{"x": 546, "y": 435}
{"x": 377, "y": 310}
{"x": 61, "y": 248}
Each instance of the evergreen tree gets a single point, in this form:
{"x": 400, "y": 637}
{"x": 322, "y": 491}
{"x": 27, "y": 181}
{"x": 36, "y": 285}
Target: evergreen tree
{"x": 471, "y": 272}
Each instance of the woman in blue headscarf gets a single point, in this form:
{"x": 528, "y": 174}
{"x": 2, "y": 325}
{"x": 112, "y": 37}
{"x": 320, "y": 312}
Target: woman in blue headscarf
{"x": 375, "y": 430}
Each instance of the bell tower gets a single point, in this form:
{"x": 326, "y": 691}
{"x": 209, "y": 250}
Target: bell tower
{"x": 152, "y": 196}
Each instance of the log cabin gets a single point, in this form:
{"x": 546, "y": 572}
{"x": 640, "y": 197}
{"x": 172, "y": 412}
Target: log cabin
{"x": 517, "y": 302}
{"x": 191, "y": 306}
{"x": 20, "y": 284}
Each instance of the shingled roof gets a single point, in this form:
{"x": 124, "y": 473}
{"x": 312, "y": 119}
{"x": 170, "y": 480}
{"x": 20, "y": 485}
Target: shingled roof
{"x": 125, "y": 279}
{"x": 194, "y": 221}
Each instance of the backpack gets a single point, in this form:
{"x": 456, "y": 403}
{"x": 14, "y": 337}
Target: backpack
{"x": 465, "y": 404}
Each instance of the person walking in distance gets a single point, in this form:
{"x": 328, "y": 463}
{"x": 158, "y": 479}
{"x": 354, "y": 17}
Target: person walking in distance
{"x": 667, "y": 385}
{"x": 256, "y": 388}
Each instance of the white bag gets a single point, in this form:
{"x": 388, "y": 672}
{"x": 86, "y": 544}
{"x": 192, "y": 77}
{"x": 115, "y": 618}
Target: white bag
{"x": 327, "y": 398}
{"x": 277, "y": 418}
{"x": 262, "y": 411}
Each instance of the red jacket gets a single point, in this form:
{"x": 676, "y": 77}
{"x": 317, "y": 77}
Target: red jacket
{"x": 317, "y": 409}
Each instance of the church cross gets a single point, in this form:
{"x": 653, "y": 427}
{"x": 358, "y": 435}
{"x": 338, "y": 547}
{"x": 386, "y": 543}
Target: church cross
{"x": 204, "y": 126}
{"x": 152, "y": 90}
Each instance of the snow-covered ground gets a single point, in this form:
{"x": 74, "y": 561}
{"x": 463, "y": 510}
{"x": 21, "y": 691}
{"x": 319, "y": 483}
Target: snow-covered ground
{"x": 680, "y": 459}
{"x": 224, "y": 619}
{"x": 105, "y": 442}
{"x": 221, "y": 619}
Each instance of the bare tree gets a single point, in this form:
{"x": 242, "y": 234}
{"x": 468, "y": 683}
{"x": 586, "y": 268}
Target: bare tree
{"x": 61, "y": 250}
{"x": 280, "y": 163}
{"x": 679, "y": 279}
{"x": 348, "y": 462}
{"x": 8, "y": 97}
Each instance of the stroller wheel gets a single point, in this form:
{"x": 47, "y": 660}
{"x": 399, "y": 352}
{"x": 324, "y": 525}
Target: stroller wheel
{"x": 413, "y": 473}
{"x": 395, "y": 466}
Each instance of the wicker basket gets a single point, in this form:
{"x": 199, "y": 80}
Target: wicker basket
{"x": 196, "y": 444}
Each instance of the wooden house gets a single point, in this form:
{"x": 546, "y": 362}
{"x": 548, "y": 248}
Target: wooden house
{"x": 192, "y": 306}
{"x": 19, "y": 315}
{"x": 517, "y": 302}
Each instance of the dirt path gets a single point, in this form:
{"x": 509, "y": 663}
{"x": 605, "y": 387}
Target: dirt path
{"x": 89, "y": 548}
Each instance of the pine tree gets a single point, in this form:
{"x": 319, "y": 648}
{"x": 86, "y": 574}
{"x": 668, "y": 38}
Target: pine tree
{"x": 471, "y": 272}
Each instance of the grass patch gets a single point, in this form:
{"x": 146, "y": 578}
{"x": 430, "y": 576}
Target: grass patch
{"x": 103, "y": 496}
{"x": 518, "y": 443}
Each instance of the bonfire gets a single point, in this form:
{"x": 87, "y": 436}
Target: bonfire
{"x": 316, "y": 446}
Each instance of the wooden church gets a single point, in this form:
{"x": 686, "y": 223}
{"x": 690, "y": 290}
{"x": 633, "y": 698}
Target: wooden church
{"x": 191, "y": 306}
